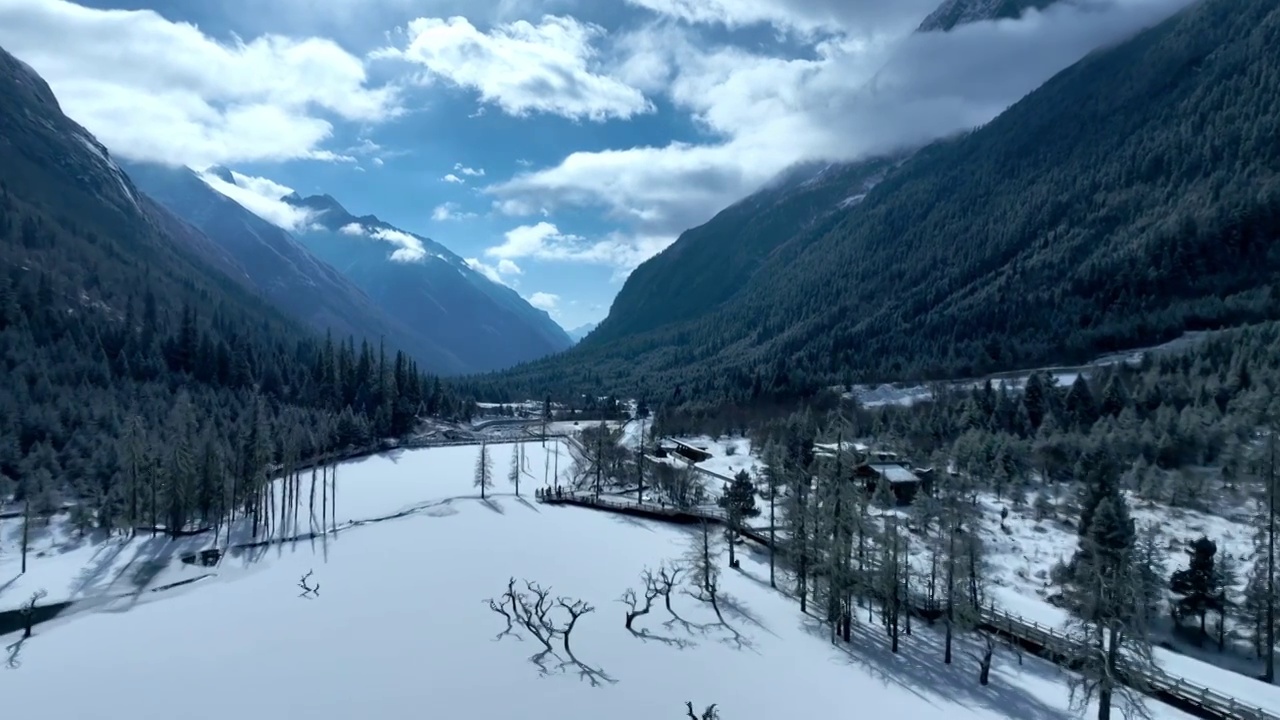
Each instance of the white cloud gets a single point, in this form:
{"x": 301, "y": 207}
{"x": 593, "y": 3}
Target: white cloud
{"x": 450, "y": 211}
{"x": 408, "y": 248}
{"x": 451, "y": 178}
{"x": 550, "y": 67}
{"x": 859, "y": 91}
{"x": 506, "y": 267}
{"x": 262, "y": 197}
{"x": 545, "y": 301}
{"x": 156, "y": 90}
{"x": 806, "y": 17}
{"x": 489, "y": 271}
{"x": 545, "y": 241}
{"x": 470, "y": 171}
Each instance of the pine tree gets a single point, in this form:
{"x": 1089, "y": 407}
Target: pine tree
{"x": 1196, "y": 583}
{"x": 1109, "y": 618}
{"x": 513, "y": 474}
{"x": 484, "y": 470}
{"x": 739, "y": 502}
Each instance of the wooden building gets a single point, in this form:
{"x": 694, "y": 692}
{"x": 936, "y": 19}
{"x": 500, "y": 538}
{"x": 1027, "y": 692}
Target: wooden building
{"x": 903, "y": 482}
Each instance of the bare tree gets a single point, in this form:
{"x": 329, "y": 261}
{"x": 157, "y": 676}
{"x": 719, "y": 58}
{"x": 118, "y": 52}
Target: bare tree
{"x": 704, "y": 571}
{"x": 484, "y": 470}
{"x": 29, "y": 612}
{"x": 308, "y": 591}
{"x": 547, "y": 619}
{"x": 984, "y": 658}
{"x": 709, "y": 714}
{"x": 652, "y": 591}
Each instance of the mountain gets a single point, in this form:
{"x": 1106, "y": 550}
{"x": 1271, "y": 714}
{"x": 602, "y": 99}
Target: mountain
{"x": 277, "y": 265}
{"x": 952, "y": 13}
{"x": 1132, "y": 197}
{"x": 143, "y": 374}
{"x": 708, "y": 264}
{"x": 420, "y": 284}
{"x": 580, "y": 332}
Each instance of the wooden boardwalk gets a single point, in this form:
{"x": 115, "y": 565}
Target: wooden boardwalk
{"x": 1047, "y": 642}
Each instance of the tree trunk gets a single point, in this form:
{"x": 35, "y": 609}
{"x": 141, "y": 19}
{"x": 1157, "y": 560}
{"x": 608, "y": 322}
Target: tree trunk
{"x": 26, "y": 529}
{"x": 773, "y": 539}
{"x": 1270, "y": 674}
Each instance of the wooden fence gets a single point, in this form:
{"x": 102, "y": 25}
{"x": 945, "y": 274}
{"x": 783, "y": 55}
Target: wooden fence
{"x": 1043, "y": 640}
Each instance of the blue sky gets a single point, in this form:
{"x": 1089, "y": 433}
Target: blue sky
{"x": 556, "y": 143}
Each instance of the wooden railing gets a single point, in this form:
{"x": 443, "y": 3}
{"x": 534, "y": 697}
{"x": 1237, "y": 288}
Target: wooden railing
{"x": 1047, "y": 641}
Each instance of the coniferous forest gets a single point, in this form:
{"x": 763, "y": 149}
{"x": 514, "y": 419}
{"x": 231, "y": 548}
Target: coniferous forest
{"x": 132, "y": 358}
{"x": 1131, "y": 198}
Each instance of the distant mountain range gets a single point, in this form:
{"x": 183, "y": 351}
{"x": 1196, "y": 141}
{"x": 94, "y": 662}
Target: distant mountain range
{"x": 581, "y": 331}
{"x": 362, "y": 276}
{"x": 421, "y": 284}
{"x": 280, "y": 267}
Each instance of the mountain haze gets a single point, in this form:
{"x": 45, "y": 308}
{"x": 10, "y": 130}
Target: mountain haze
{"x": 283, "y": 270}
{"x": 422, "y": 285}
{"x": 679, "y": 284}
{"x": 952, "y": 13}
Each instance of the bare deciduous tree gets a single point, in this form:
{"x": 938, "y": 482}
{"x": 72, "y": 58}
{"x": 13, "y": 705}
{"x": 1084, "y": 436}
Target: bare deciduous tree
{"x": 308, "y": 591}
{"x": 709, "y": 714}
{"x": 652, "y": 590}
{"x": 534, "y": 609}
{"x": 29, "y": 611}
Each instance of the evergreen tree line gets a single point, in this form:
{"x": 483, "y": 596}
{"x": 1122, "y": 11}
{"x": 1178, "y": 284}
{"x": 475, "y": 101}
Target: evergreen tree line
{"x": 148, "y": 391}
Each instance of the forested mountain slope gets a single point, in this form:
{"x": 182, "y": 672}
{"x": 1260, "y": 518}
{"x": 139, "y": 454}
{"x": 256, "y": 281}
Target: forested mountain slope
{"x": 422, "y": 285}
{"x": 708, "y": 264}
{"x": 1132, "y": 197}
{"x": 958, "y": 12}
{"x": 141, "y": 372}
{"x": 281, "y": 268}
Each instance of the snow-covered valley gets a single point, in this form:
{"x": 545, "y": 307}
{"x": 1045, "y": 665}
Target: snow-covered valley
{"x": 397, "y": 624}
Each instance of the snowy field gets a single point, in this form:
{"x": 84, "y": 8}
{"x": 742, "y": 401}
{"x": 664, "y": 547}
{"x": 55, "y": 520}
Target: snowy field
{"x": 398, "y": 627}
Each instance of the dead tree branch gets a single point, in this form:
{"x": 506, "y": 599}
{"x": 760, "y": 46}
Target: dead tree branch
{"x": 532, "y": 609}
{"x": 652, "y": 590}
{"x": 307, "y": 590}
{"x": 709, "y": 714}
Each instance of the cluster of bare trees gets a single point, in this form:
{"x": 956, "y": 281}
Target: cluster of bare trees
{"x": 530, "y": 607}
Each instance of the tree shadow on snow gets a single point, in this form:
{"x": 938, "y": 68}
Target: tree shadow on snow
{"x": 632, "y": 522}
{"x": 494, "y": 506}
{"x": 918, "y": 664}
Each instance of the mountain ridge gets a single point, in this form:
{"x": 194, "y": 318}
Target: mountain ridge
{"x": 1082, "y": 220}
{"x": 421, "y": 283}
{"x": 279, "y": 267}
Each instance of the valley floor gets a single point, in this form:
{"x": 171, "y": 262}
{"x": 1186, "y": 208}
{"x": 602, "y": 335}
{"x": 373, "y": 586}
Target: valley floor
{"x": 399, "y": 626}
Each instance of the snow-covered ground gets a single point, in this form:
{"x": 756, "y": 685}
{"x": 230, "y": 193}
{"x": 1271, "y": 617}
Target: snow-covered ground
{"x": 399, "y": 628}
{"x": 1022, "y": 553}
{"x": 907, "y": 393}
{"x": 728, "y": 455}
{"x": 91, "y": 569}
